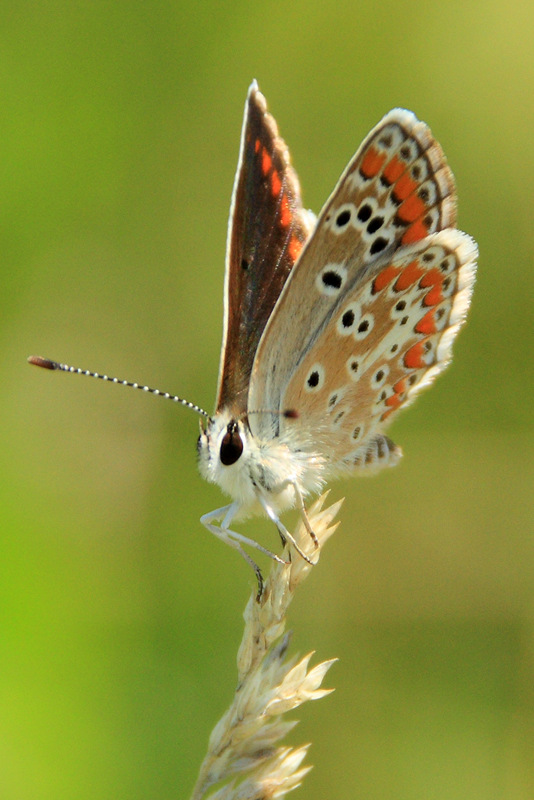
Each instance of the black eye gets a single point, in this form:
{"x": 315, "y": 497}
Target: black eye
{"x": 231, "y": 445}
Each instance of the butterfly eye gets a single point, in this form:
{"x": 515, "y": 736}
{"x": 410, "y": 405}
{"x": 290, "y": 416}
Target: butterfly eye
{"x": 231, "y": 445}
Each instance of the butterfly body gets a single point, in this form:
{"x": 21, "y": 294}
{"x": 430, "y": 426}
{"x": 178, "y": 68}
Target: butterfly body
{"x": 265, "y": 468}
{"x": 331, "y": 326}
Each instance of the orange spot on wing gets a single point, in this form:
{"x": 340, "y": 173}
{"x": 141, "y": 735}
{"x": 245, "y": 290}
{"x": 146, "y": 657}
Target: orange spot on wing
{"x": 431, "y": 278}
{"x": 372, "y": 163}
{"x": 400, "y": 386}
{"x": 394, "y": 401}
{"x": 266, "y": 162}
{"x": 276, "y": 184}
{"x": 386, "y": 414}
{"x": 427, "y": 324}
{"x": 409, "y": 276}
{"x": 384, "y": 278}
{"x": 294, "y": 248}
{"x": 285, "y": 212}
{"x": 415, "y": 232}
{"x": 413, "y": 358}
{"x": 404, "y": 187}
{"x": 257, "y": 145}
{"x": 434, "y": 296}
{"x": 411, "y": 209}
{"x": 394, "y": 170}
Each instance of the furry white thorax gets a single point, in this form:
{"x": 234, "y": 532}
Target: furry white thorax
{"x": 266, "y": 468}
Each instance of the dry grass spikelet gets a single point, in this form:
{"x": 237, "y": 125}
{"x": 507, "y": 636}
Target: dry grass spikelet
{"x": 244, "y": 746}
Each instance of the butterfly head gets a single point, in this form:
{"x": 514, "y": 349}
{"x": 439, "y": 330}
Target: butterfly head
{"x": 222, "y": 444}
{"x": 245, "y": 465}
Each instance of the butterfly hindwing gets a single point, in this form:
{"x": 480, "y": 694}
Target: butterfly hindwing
{"x": 267, "y": 230}
{"x": 386, "y": 280}
{"x": 389, "y": 338}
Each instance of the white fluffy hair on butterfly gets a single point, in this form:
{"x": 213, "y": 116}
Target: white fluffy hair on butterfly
{"x": 253, "y": 472}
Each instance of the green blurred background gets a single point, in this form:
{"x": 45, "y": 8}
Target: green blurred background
{"x": 120, "y": 616}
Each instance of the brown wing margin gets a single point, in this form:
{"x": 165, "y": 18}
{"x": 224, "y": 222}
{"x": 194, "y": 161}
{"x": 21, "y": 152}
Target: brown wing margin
{"x": 266, "y": 232}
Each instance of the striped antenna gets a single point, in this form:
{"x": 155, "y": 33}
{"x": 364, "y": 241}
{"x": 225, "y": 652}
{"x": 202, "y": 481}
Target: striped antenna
{"x": 46, "y": 363}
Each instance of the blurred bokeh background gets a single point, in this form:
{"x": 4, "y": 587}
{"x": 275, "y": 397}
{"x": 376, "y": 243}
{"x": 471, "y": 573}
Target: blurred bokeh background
{"x": 120, "y": 616}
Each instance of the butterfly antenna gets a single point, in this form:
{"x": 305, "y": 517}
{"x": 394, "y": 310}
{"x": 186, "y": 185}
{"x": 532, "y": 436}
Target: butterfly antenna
{"x": 46, "y": 363}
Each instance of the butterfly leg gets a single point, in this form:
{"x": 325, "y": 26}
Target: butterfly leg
{"x": 304, "y": 514}
{"x": 234, "y": 539}
{"x": 301, "y": 507}
{"x": 283, "y": 531}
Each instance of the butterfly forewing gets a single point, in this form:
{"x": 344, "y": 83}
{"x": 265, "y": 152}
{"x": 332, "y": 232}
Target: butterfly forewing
{"x": 267, "y": 230}
{"x": 386, "y": 281}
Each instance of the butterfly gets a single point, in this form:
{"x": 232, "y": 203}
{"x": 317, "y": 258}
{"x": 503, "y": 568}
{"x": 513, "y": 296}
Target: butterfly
{"x": 331, "y": 324}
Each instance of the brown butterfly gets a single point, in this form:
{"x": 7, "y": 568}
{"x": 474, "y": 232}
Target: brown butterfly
{"x": 330, "y": 325}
